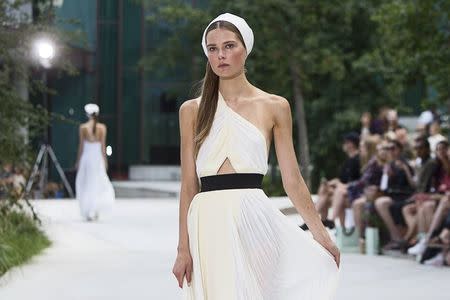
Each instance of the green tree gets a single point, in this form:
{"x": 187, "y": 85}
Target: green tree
{"x": 414, "y": 47}
{"x": 20, "y": 120}
{"x": 305, "y": 51}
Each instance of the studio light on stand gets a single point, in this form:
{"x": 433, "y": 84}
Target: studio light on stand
{"x": 44, "y": 52}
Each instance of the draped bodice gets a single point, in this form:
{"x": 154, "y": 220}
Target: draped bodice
{"x": 233, "y": 137}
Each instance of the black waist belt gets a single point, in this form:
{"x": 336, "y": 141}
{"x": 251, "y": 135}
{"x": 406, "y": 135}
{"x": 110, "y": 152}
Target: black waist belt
{"x": 231, "y": 181}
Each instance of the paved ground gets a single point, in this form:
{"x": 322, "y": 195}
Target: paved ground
{"x": 146, "y": 189}
{"x": 130, "y": 254}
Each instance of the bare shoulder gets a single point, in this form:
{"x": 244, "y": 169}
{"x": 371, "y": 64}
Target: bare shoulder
{"x": 83, "y": 127}
{"x": 278, "y": 107}
{"x": 188, "y": 109}
{"x": 101, "y": 126}
{"x": 279, "y": 104}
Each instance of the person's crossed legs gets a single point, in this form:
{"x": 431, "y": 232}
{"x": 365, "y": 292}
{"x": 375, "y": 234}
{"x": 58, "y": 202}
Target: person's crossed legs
{"x": 382, "y": 206}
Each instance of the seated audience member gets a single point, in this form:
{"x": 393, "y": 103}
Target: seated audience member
{"x": 397, "y": 184}
{"x": 420, "y": 131}
{"x": 367, "y": 189}
{"x": 366, "y": 119}
{"x": 380, "y": 124}
{"x": 425, "y": 205}
{"x": 425, "y": 168}
{"x": 402, "y": 137}
{"x": 350, "y": 171}
{"x": 397, "y": 132}
{"x": 371, "y": 127}
{"x": 437, "y": 252}
{"x": 392, "y": 124}
{"x": 435, "y": 136}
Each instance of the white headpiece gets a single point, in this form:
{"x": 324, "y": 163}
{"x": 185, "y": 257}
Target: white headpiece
{"x": 91, "y": 109}
{"x": 241, "y": 25}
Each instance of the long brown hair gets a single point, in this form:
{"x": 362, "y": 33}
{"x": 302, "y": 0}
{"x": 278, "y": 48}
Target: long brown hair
{"x": 370, "y": 145}
{"x": 209, "y": 92}
{"x": 95, "y": 118}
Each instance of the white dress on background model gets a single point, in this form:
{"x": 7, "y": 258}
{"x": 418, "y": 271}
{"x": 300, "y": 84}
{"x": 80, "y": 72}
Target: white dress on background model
{"x": 94, "y": 190}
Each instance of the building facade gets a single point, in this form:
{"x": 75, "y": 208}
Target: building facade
{"x": 139, "y": 108}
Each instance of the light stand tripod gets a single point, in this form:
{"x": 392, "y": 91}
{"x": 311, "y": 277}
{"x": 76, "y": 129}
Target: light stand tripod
{"x": 44, "y": 152}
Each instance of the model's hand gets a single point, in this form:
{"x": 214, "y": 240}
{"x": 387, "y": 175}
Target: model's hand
{"x": 333, "y": 249}
{"x": 183, "y": 267}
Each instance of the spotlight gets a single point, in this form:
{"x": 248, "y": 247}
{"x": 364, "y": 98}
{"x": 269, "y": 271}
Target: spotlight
{"x": 45, "y": 49}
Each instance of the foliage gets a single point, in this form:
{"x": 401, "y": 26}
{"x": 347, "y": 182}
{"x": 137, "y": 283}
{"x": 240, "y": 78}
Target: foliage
{"x": 353, "y": 56}
{"x": 414, "y": 47}
{"x": 273, "y": 187}
{"x": 20, "y": 239}
{"x": 20, "y": 120}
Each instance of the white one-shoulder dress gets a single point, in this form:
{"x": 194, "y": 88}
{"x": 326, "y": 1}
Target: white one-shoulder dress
{"x": 242, "y": 246}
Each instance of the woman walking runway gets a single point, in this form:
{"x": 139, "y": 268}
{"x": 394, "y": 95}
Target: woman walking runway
{"x": 94, "y": 190}
{"x": 233, "y": 243}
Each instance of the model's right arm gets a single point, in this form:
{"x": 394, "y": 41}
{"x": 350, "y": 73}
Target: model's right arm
{"x": 189, "y": 187}
{"x": 80, "y": 146}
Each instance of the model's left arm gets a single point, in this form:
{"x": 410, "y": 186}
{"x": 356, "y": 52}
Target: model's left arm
{"x": 293, "y": 182}
{"x": 80, "y": 146}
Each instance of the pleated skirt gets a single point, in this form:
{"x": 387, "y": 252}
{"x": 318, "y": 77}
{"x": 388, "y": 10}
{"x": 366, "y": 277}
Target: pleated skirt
{"x": 243, "y": 247}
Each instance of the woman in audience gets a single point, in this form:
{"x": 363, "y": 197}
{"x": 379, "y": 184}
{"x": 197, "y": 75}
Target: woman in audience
{"x": 437, "y": 252}
{"x": 425, "y": 170}
{"x": 345, "y": 194}
{"x": 368, "y": 148}
{"x": 424, "y": 205}
{"x": 430, "y": 222}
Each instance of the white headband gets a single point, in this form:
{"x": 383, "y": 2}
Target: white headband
{"x": 241, "y": 25}
{"x": 91, "y": 108}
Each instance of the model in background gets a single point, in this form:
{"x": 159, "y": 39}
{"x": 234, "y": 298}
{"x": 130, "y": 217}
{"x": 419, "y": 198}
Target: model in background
{"x": 94, "y": 190}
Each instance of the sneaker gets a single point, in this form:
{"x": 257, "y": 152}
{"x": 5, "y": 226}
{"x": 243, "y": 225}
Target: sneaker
{"x": 395, "y": 245}
{"x": 436, "y": 261}
{"x": 328, "y": 223}
{"x": 418, "y": 248}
